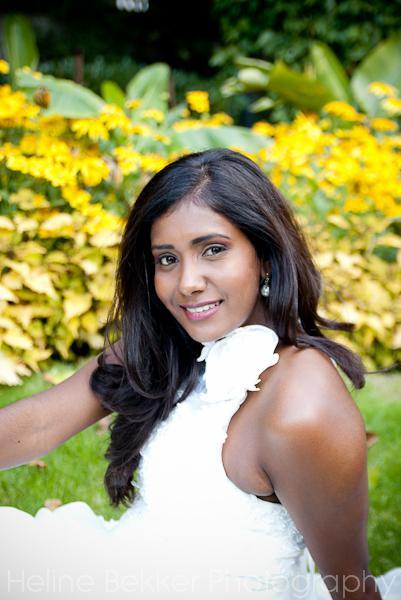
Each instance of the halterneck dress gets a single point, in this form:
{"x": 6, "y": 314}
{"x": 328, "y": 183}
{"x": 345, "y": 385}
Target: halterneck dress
{"x": 191, "y": 533}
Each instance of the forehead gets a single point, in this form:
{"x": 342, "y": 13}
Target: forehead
{"x": 189, "y": 220}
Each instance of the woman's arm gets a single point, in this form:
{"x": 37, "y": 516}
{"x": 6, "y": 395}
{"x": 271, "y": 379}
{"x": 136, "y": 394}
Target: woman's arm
{"x": 315, "y": 454}
{"x": 34, "y": 426}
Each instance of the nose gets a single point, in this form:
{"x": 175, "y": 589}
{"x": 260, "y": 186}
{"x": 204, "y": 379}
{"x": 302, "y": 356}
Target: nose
{"x": 191, "y": 279}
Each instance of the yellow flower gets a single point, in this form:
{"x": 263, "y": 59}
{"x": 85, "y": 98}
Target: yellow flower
{"x": 220, "y": 118}
{"x": 188, "y": 124}
{"x": 128, "y": 160}
{"x": 153, "y": 113}
{"x": 76, "y": 197}
{"x": 113, "y": 117}
{"x": 356, "y": 205}
{"x": 53, "y": 125}
{"x": 381, "y": 124}
{"x": 93, "y": 170}
{"x": 4, "y": 67}
{"x": 14, "y": 108}
{"x": 263, "y": 128}
{"x": 152, "y": 162}
{"x": 343, "y": 110}
{"x": 138, "y": 129}
{"x": 93, "y": 128}
{"x": 392, "y": 105}
{"x": 133, "y": 104}
{"x": 381, "y": 89}
{"x": 198, "y": 101}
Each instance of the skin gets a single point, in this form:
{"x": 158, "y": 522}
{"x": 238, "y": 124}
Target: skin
{"x": 301, "y": 439}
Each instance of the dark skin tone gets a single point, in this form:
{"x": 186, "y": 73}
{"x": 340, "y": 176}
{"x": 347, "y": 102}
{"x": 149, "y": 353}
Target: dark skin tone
{"x": 300, "y": 440}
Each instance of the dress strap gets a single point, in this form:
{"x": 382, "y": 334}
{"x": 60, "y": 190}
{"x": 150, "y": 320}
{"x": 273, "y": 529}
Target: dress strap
{"x": 234, "y": 363}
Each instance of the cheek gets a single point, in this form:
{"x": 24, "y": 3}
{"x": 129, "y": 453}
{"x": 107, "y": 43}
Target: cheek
{"x": 244, "y": 277}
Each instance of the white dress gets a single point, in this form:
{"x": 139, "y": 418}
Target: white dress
{"x": 190, "y": 533}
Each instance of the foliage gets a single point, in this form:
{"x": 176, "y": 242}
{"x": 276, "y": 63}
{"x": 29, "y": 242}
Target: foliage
{"x": 342, "y": 173}
{"x": 19, "y": 43}
{"x": 67, "y": 184}
{"x": 284, "y": 29}
{"x": 121, "y": 71}
{"x": 323, "y": 80}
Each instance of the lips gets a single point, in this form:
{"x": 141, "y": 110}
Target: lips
{"x": 201, "y": 310}
{"x": 201, "y": 304}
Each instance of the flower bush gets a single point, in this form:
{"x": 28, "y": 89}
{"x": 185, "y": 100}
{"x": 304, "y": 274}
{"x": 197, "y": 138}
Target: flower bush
{"x": 67, "y": 185}
{"x": 342, "y": 172}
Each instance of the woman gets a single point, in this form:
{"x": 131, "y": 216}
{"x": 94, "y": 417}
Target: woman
{"x": 240, "y": 489}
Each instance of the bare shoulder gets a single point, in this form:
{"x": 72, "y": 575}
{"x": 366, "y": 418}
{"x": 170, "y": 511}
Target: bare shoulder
{"x": 307, "y": 391}
{"x": 311, "y": 421}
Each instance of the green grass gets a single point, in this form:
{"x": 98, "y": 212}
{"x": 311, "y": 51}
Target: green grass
{"x": 380, "y": 404}
{"x": 75, "y": 470}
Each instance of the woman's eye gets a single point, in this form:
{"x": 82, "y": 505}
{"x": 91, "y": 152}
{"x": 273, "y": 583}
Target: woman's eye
{"x": 213, "y": 250}
{"x": 166, "y": 260}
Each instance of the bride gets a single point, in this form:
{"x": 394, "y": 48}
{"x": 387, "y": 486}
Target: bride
{"x": 235, "y": 445}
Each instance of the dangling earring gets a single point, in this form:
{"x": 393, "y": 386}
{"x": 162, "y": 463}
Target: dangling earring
{"x": 265, "y": 289}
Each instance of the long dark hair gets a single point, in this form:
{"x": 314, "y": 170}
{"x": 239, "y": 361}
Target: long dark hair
{"x": 157, "y": 356}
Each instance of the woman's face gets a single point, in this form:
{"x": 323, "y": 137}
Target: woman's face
{"x": 207, "y": 272}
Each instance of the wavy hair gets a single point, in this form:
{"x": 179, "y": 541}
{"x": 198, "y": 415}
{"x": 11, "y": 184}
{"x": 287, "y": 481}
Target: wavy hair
{"x": 157, "y": 356}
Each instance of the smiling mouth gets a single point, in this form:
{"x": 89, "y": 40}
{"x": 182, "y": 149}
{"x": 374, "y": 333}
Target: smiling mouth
{"x": 203, "y": 311}
{"x": 204, "y": 308}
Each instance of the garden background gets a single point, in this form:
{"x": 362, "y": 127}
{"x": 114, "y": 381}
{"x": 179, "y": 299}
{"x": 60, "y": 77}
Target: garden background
{"x": 95, "y": 100}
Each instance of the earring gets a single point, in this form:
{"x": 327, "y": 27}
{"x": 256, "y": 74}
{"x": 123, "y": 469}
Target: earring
{"x": 265, "y": 289}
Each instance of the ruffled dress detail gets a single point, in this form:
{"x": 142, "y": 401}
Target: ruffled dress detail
{"x": 191, "y": 533}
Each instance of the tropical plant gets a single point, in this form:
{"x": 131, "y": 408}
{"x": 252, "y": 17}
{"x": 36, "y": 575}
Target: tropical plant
{"x": 68, "y": 183}
{"x": 324, "y": 79}
{"x": 19, "y": 43}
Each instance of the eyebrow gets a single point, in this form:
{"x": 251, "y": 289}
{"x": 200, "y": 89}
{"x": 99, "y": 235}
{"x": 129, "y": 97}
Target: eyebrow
{"x": 194, "y": 242}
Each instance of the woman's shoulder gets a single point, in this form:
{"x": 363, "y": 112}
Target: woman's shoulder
{"x": 305, "y": 389}
{"x": 310, "y": 420}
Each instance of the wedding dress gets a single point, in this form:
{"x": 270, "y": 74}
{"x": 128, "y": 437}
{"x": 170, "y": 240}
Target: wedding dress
{"x": 191, "y": 533}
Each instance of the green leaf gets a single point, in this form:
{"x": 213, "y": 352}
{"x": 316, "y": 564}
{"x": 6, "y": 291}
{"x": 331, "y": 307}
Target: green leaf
{"x": 112, "y": 93}
{"x": 196, "y": 140}
{"x": 19, "y": 43}
{"x": 231, "y": 86}
{"x": 261, "y": 104}
{"x": 253, "y": 79}
{"x": 151, "y": 86}
{"x": 383, "y": 63}
{"x": 256, "y": 63}
{"x": 297, "y": 88}
{"x": 330, "y": 72}
{"x": 67, "y": 98}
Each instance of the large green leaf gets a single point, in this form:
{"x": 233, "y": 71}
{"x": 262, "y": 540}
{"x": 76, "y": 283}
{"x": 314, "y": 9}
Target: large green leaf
{"x": 67, "y": 98}
{"x": 196, "y": 140}
{"x": 151, "y": 86}
{"x": 330, "y": 72}
{"x": 112, "y": 93}
{"x": 253, "y": 79}
{"x": 297, "y": 88}
{"x": 383, "y": 63}
{"x": 262, "y": 104}
{"x": 256, "y": 63}
{"x": 19, "y": 43}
